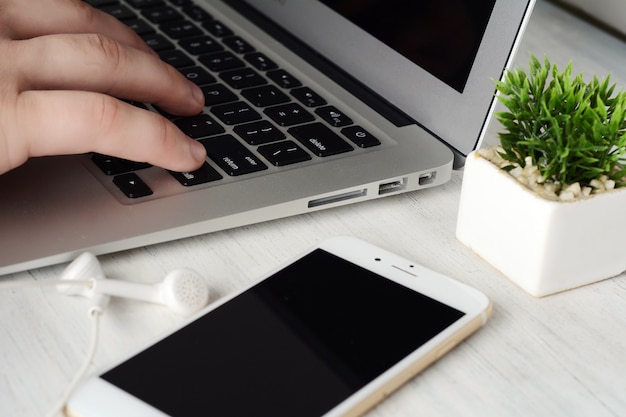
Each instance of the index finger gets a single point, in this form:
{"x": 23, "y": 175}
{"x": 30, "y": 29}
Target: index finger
{"x": 29, "y": 19}
{"x": 96, "y": 63}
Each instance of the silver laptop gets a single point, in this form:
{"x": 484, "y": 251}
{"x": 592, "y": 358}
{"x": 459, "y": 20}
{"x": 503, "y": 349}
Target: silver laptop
{"x": 310, "y": 105}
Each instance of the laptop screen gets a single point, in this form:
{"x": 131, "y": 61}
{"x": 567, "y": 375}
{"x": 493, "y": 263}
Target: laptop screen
{"x": 442, "y": 37}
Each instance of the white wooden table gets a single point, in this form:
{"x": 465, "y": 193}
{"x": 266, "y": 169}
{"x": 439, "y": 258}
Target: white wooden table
{"x": 564, "y": 355}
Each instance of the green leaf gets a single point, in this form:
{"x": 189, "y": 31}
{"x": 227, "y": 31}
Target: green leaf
{"x": 574, "y": 131}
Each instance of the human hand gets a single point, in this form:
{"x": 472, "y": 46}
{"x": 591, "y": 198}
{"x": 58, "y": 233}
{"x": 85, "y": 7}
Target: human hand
{"x": 63, "y": 63}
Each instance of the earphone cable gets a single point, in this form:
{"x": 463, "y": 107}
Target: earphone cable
{"x": 94, "y": 313}
{"x": 13, "y": 285}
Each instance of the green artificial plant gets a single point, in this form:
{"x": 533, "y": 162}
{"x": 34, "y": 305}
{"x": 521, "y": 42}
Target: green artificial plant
{"x": 572, "y": 131}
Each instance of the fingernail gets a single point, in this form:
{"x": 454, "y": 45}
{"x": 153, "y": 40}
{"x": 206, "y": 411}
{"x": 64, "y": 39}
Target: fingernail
{"x": 198, "y": 151}
{"x": 197, "y": 94}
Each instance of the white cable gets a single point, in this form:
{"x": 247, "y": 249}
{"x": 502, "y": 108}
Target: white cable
{"x": 11, "y": 285}
{"x": 94, "y": 313}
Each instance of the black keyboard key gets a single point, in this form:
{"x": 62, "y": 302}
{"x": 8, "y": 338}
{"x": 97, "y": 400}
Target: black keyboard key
{"x": 258, "y": 133}
{"x": 144, "y": 4}
{"x": 238, "y": 45}
{"x": 232, "y": 156}
{"x": 161, "y": 14}
{"x": 136, "y": 166}
{"x": 205, "y": 174}
{"x": 284, "y": 153}
{"x": 119, "y": 11}
{"x": 180, "y": 3}
{"x": 197, "y": 75}
{"x": 180, "y": 29}
{"x": 333, "y": 117}
{"x": 217, "y": 94}
{"x": 242, "y": 78}
{"x": 221, "y": 61}
{"x": 217, "y": 28}
{"x": 235, "y": 113}
{"x": 196, "y": 13}
{"x": 199, "y": 126}
{"x": 289, "y": 114}
{"x": 260, "y": 61}
{"x": 200, "y": 45}
{"x": 360, "y": 137}
{"x": 131, "y": 185}
{"x": 308, "y": 97}
{"x": 264, "y": 96}
{"x": 320, "y": 140}
{"x": 139, "y": 26}
{"x": 176, "y": 58}
{"x": 99, "y": 3}
{"x": 283, "y": 79}
{"x": 111, "y": 165}
{"x": 158, "y": 42}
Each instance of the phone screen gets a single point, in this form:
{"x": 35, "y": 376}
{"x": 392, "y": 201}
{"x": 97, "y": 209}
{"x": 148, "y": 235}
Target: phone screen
{"x": 296, "y": 344}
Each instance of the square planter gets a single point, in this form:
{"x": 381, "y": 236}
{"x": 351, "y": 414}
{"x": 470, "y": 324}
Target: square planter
{"x": 543, "y": 246}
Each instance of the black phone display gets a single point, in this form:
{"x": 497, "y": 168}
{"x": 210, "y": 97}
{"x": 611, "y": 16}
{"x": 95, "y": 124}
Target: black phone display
{"x": 296, "y": 344}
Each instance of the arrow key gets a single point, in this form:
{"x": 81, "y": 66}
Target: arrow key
{"x": 131, "y": 185}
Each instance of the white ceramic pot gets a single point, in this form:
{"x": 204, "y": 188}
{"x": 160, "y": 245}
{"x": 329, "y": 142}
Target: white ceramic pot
{"x": 541, "y": 245}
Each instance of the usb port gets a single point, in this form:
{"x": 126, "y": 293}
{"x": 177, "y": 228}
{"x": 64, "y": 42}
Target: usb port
{"x": 392, "y": 186}
{"x": 426, "y": 179}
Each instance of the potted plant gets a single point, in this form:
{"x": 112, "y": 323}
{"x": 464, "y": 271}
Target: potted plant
{"x": 545, "y": 207}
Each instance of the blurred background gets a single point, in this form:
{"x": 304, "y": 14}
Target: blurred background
{"x": 610, "y": 14}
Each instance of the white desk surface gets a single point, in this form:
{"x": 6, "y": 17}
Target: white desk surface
{"x": 564, "y": 355}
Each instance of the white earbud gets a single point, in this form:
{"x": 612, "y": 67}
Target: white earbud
{"x": 85, "y": 267}
{"x": 182, "y": 290}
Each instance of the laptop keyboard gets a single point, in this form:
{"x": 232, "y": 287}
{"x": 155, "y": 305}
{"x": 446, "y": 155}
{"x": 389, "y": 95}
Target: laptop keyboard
{"x": 257, "y": 116}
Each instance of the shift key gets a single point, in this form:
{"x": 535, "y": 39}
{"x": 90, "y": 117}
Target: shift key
{"x": 232, "y": 156}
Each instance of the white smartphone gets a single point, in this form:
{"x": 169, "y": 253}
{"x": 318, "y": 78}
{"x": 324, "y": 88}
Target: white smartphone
{"x": 329, "y": 334}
